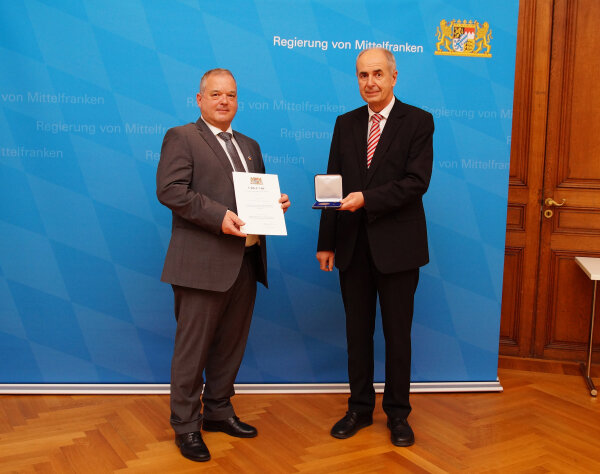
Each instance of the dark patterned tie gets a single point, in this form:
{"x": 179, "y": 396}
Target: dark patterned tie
{"x": 233, "y": 154}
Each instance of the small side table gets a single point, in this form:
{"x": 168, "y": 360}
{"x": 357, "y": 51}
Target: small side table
{"x": 591, "y": 267}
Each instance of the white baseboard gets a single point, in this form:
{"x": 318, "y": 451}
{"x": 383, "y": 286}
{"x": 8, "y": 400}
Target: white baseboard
{"x": 280, "y": 388}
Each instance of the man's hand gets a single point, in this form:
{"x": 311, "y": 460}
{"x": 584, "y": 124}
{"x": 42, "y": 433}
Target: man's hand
{"x": 285, "y": 202}
{"x": 231, "y": 224}
{"x": 325, "y": 258}
{"x": 353, "y": 202}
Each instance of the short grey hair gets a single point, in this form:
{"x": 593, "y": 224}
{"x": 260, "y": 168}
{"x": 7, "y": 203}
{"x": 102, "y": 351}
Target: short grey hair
{"x": 388, "y": 55}
{"x": 218, "y": 70}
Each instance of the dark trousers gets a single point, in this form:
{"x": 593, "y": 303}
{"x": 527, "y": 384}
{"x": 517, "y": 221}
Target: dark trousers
{"x": 212, "y": 330}
{"x": 360, "y": 284}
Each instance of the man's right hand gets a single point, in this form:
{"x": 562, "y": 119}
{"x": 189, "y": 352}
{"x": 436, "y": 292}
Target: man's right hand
{"x": 231, "y": 224}
{"x": 325, "y": 258}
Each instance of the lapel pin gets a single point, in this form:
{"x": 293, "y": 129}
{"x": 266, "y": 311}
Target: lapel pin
{"x": 250, "y": 158}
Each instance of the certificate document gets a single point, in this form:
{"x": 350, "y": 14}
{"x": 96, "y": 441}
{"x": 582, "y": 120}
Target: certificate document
{"x": 257, "y": 197}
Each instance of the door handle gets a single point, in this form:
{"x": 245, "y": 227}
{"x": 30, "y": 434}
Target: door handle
{"x": 551, "y": 202}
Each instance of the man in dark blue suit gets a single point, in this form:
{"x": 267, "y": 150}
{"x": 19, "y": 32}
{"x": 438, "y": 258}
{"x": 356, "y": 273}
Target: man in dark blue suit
{"x": 378, "y": 238}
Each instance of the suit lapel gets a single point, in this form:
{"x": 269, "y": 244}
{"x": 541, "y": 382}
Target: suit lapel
{"x": 390, "y": 131}
{"x": 360, "y": 136}
{"x": 216, "y": 147}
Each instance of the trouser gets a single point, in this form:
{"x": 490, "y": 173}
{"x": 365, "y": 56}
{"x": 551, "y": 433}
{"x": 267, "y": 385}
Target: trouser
{"x": 212, "y": 330}
{"x": 360, "y": 284}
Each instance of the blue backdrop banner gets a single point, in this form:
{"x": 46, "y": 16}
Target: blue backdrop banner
{"x": 88, "y": 90}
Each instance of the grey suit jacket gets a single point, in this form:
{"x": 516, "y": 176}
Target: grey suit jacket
{"x": 194, "y": 180}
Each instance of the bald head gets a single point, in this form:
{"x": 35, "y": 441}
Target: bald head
{"x": 391, "y": 60}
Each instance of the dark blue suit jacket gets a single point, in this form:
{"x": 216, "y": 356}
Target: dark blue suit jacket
{"x": 392, "y": 186}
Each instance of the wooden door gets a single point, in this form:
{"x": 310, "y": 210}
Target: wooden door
{"x": 572, "y": 176}
{"x": 555, "y": 154}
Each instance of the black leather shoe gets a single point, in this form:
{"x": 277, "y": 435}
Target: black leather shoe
{"x": 350, "y": 424}
{"x": 402, "y": 433}
{"x": 232, "y": 426}
{"x": 192, "y": 446}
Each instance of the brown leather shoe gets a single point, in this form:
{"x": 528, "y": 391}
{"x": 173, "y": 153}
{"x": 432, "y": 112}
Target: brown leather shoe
{"x": 401, "y": 433}
{"x": 350, "y": 424}
{"x": 232, "y": 426}
{"x": 192, "y": 446}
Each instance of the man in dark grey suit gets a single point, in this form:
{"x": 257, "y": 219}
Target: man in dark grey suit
{"x": 211, "y": 264}
{"x": 384, "y": 153}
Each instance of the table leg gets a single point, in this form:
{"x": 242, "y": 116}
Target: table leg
{"x": 586, "y": 369}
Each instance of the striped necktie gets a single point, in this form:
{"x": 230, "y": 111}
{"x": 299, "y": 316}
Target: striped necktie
{"x": 374, "y": 134}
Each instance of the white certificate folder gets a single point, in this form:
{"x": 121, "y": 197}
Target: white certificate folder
{"x": 257, "y": 197}
{"x": 328, "y": 191}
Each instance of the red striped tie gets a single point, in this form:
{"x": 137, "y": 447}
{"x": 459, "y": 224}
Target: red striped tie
{"x": 374, "y": 134}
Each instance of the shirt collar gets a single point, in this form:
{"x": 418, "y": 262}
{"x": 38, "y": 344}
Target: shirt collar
{"x": 214, "y": 129}
{"x": 386, "y": 110}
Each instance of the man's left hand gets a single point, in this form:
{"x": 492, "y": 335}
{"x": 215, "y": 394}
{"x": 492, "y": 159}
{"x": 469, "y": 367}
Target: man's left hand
{"x": 285, "y": 202}
{"x": 353, "y": 202}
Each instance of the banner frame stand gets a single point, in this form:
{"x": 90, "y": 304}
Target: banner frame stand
{"x": 240, "y": 389}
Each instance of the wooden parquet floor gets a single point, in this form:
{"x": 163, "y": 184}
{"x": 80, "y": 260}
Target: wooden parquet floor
{"x": 542, "y": 422}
